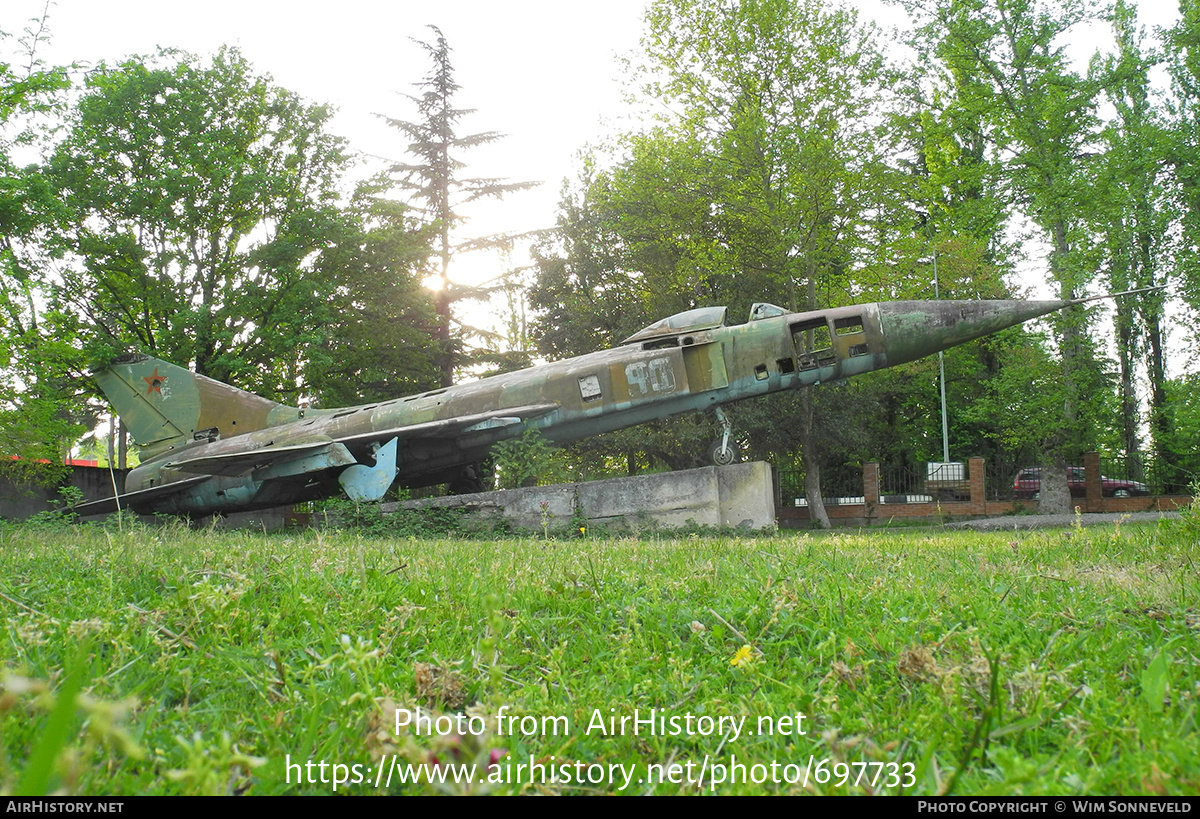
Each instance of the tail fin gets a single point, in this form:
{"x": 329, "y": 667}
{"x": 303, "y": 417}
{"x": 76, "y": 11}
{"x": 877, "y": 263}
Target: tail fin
{"x": 164, "y": 406}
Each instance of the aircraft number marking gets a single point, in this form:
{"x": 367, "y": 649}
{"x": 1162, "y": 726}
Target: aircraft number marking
{"x": 648, "y": 377}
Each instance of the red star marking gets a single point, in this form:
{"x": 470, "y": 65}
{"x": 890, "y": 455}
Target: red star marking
{"x": 155, "y": 381}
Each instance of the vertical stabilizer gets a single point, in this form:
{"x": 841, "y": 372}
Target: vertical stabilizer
{"x": 164, "y": 406}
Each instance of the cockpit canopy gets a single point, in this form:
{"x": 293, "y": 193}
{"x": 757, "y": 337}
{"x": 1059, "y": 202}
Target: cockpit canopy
{"x": 762, "y": 310}
{"x": 689, "y": 321}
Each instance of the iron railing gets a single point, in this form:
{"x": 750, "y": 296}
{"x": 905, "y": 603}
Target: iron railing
{"x": 1159, "y": 476}
{"x": 924, "y": 482}
{"x": 934, "y": 482}
{"x": 842, "y": 483}
{"x": 920, "y": 483}
{"x": 999, "y": 478}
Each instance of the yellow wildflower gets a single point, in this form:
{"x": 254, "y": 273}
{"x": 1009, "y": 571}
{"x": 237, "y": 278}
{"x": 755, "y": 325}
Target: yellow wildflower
{"x": 742, "y": 657}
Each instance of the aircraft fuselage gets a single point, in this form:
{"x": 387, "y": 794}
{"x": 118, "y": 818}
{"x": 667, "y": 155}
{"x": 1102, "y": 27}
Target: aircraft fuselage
{"x": 685, "y": 363}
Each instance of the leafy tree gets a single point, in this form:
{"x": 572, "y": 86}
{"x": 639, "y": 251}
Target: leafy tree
{"x": 962, "y": 186}
{"x": 1183, "y": 432}
{"x": 38, "y": 415}
{"x": 1181, "y": 45}
{"x": 634, "y": 244}
{"x": 204, "y": 221}
{"x": 435, "y": 183}
{"x": 1136, "y": 216}
{"x": 381, "y": 342}
{"x": 1044, "y": 116}
{"x": 529, "y": 460}
{"x": 768, "y": 184}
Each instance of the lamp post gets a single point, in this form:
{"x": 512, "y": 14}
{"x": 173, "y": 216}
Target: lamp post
{"x": 941, "y": 369}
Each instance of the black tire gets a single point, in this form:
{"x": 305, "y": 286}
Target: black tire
{"x": 725, "y": 457}
{"x": 467, "y": 482}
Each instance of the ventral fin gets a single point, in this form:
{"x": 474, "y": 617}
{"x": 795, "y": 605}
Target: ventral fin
{"x": 369, "y": 483}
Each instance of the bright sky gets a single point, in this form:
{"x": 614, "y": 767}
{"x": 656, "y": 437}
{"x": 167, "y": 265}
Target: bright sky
{"x": 544, "y": 72}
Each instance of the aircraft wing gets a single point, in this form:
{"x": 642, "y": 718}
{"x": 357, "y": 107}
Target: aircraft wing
{"x": 105, "y": 506}
{"x": 327, "y": 453}
{"x": 463, "y": 425}
{"x": 319, "y": 454}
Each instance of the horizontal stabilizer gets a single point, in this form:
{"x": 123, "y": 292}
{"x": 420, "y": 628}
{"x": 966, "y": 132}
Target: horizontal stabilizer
{"x": 106, "y": 506}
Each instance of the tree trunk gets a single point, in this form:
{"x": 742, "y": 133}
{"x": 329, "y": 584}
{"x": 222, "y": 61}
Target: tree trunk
{"x": 1055, "y": 493}
{"x": 1071, "y": 440}
{"x": 812, "y": 462}
{"x": 1129, "y": 403}
{"x": 1160, "y": 432}
{"x": 810, "y": 451}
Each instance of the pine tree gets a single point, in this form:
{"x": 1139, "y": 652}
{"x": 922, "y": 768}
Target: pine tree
{"x": 436, "y": 187}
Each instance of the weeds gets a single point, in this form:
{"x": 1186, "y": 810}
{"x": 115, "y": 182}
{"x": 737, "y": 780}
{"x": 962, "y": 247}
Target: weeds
{"x": 61, "y": 516}
{"x": 199, "y": 661}
{"x": 1188, "y": 524}
{"x": 429, "y": 521}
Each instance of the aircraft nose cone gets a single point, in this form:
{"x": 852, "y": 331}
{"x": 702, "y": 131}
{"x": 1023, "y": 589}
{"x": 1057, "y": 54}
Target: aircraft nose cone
{"x": 915, "y": 329}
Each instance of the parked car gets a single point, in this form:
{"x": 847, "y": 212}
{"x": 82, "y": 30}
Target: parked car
{"x": 1028, "y": 484}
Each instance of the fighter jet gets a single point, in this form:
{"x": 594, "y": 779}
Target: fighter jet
{"x": 210, "y": 448}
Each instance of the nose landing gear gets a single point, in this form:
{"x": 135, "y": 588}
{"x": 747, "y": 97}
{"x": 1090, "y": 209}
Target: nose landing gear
{"x": 724, "y": 450}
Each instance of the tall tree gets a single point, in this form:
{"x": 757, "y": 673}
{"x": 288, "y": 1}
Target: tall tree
{"x": 38, "y": 417}
{"x": 204, "y": 218}
{"x": 1182, "y": 53}
{"x": 381, "y": 340}
{"x": 1136, "y": 216}
{"x": 1045, "y": 117}
{"x": 765, "y": 185}
{"x": 436, "y": 185}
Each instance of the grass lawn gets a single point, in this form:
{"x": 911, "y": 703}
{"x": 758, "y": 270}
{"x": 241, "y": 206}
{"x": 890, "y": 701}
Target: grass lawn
{"x": 163, "y": 660}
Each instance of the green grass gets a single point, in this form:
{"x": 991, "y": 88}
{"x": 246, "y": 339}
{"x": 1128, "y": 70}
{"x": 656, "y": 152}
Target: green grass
{"x": 1057, "y": 662}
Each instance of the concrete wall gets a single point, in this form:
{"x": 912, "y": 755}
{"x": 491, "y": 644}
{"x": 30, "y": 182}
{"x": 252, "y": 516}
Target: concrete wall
{"x": 20, "y": 501}
{"x": 737, "y": 496}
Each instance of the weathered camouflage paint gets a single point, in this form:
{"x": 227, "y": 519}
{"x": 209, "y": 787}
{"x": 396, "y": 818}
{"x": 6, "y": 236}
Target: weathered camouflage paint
{"x": 260, "y": 453}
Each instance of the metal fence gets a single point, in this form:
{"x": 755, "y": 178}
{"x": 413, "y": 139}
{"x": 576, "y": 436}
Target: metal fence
{"x": 924, "y": 482}
{"x": 1000, "y": 479}
{"x": 942, "y": 482}
{"x": 918, "y": 483}
{"x": 1158, "y": 476}
{"x": 1121, "y": 476}
{"x": 899, "y": 483}
{"x": 842, "y": 483}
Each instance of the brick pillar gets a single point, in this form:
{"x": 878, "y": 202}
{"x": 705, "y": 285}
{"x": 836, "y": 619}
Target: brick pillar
{"x": 975, "y": 471}
{"x": 1093, "y": 487}
{"x": 871, "y": 488}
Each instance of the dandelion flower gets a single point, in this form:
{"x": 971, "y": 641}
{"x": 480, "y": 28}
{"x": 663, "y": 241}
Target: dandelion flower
{"x": 742, "y": 657}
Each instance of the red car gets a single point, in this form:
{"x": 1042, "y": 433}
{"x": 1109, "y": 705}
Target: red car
{"x": 1028, "y": 484}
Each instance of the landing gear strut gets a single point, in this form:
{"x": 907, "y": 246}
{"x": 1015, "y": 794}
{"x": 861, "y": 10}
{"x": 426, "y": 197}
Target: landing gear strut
{"x": 724, "y": 450}
{"x": 468, "y": 482}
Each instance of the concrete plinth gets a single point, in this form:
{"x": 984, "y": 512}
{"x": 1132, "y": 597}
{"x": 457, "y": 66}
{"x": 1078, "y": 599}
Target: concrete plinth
{"x": 738, "y": 496}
